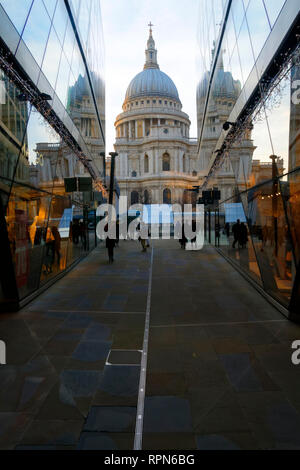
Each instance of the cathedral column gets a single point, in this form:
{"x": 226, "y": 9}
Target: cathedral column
{"x": 141, "y": 165}
{"x": 151, "y": 162}
{"x": 121, "y": 164}
{"x": 129, "y": 130}
{"x": 156, "y": 161}
{"x": 176, "y": 160}
{"x": 180, "y": 155}
{"x": 118, "y": 162}
{"x": 126, "y": 165}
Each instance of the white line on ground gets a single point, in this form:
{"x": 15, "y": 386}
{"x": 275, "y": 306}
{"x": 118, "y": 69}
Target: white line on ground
{"x": 138, "y": 438}
{"x": 95, "y": 311}
{"x": 193, "y": 325}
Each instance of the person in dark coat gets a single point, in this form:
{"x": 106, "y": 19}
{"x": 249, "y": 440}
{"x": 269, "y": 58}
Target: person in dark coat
{"x": 183, "y": 240}
{"x": 227, "y": 229}
{"x": 110, "y": 245}
{"x": 236, "y": 230}
{"x": 75, "y": 231}
{"x": 57, "y": 244}
{"x": 82, "y": 233}
{"x": 243, "y": 238}
{"x": 194, "y": 228}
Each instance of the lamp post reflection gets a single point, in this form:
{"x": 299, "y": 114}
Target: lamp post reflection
{"x": 275, "y": 191}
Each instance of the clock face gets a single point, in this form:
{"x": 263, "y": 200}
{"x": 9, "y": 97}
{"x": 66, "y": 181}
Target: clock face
{"x": 166, "y": 131}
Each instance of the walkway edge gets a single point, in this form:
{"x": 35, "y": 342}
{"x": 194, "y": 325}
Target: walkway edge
{"x": 138, "y": 438}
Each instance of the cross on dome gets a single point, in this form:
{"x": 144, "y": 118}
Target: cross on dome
{"x": 150, "y": 26}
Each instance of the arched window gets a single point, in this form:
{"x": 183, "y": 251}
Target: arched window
{"x": 134, "y": 197}
{"x": 167, "y": 196}
{"x": 133, "y": 174}
{"x": 166, "y": 162}
{"x": 146, "y": 164}
{"x": 146, "y": 197}
{"x": 184, "y": 163}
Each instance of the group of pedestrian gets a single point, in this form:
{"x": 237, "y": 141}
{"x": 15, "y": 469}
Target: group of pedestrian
{"x": 240, "y": 234}
{"x": 191, "y": 229}
{"x": 112, "y": 243}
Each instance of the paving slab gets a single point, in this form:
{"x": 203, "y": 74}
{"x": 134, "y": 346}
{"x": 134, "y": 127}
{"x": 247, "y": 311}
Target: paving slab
{"x": 219, "y": 371}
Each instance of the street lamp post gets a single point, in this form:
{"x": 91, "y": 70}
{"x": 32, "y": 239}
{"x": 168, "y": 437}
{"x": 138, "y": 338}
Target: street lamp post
{"x": 274, "y": 200}
{"x": 112, "y": 176}
{"x": 102, "y": 154}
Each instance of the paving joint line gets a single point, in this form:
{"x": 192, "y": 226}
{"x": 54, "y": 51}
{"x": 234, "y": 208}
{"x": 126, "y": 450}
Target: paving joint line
{"x": 138, "y": 437}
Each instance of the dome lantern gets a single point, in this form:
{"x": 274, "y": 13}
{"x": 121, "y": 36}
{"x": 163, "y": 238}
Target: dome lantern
{"x": 151, "y": 52}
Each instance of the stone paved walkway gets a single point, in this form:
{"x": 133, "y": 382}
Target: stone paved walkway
{"x": 219, "y": 371}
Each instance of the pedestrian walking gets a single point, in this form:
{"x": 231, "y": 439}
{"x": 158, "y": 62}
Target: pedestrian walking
{"x": 183, "y": 240}
{"x": 82, "y": 233}
{"x": 49, "y": 256}
{"x": 243, "y": 236}
{"x": 236, "y": 230}
{"x": 110, "y": 245}
{"x": 75, "y": 231}
{"x": 117, "y": 233}
{"x": 149, "y": 236}
{"x": 227, "y": 229}
{"x": 194, "y": 239}
{"x": 56, "y": 245}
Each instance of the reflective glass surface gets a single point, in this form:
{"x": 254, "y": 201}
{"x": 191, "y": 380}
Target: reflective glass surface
{"x": 258, "y": 175}
{"x": 48, "y": 228}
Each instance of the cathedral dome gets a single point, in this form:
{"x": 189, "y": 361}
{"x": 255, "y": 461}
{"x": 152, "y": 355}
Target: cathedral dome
{"x": 224, "y": 85}
{"x": 151, "y": 81}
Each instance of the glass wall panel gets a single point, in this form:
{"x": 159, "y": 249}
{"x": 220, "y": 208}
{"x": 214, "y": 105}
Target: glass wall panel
{"x": 52, "y": 58}
{"x": 26, "y": 219}
{"x": 13, "y": 140}
{"x": 36, "y": 31}
{"x": 272, "y": 239}
{"x": 235, "y": 239}
{"x": 273, "y": 8}
{"x": 258, "y": 174}
{"x": 63, "y": 78}
{"x": 47, "y": 228}
{"x": 245, "y": 50}
{"x": 259, "y": 27}
{"x": 17, "y": 11}
{"x": 50, "y": 6}
{"x": 84, "y": 19}
{"x": 60, "y": 21}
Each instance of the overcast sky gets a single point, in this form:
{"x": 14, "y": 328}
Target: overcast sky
{"x": 126, "y": 31}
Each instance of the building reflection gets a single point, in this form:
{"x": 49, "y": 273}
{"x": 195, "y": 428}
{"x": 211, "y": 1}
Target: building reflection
{"x": 257, "y": 171}
{"x": 50, "y": 129}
